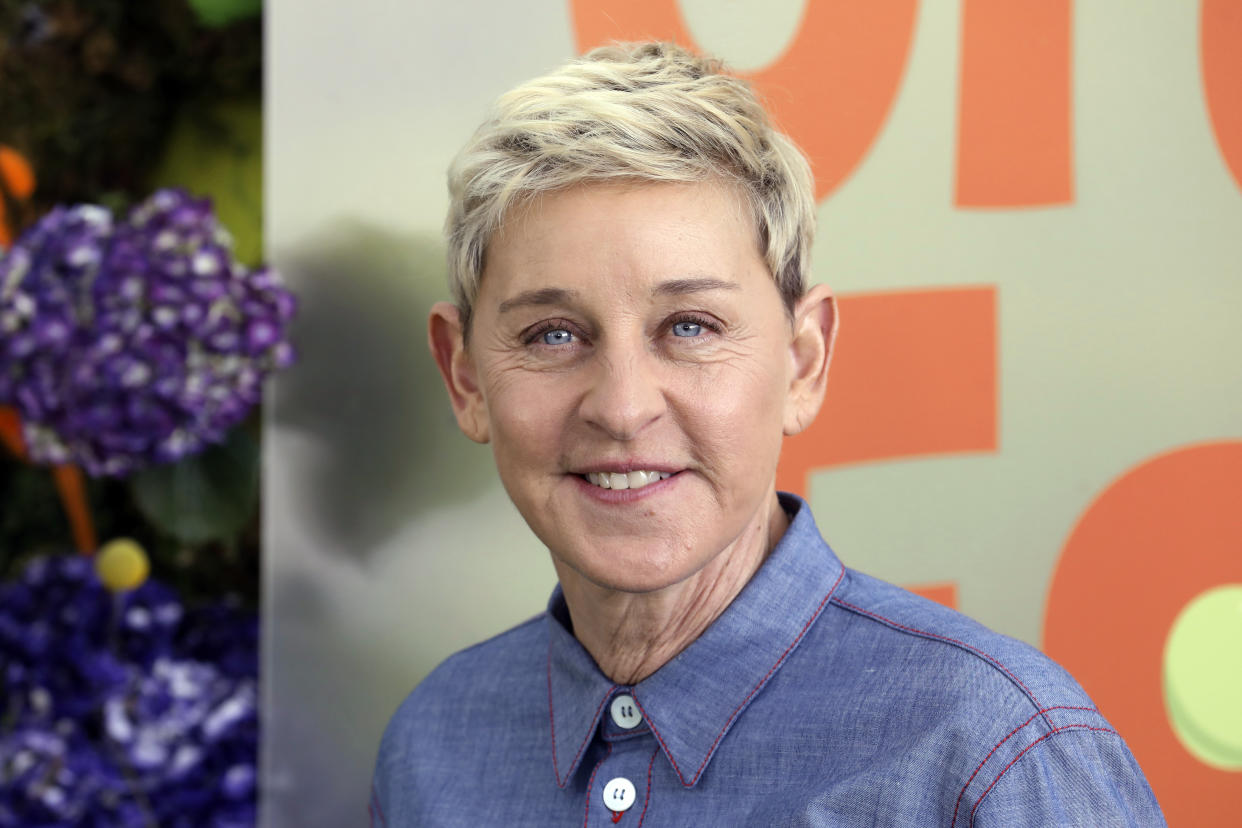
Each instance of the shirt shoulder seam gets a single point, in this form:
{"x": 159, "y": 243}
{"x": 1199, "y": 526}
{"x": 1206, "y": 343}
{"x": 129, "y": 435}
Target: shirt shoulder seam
{"x": 1043, "y": 711}
{"x": 978, "y": 652}
{"x": 1075, "y": 726}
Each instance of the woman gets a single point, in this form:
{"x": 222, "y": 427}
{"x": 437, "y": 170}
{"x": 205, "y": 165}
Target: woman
{"x": 633, "y": 334}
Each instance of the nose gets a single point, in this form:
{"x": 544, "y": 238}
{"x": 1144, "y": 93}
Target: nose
{"x": 624, "y": 394}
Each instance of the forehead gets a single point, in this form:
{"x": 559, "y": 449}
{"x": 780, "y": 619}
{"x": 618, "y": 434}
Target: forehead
{"x": 623, "y": 234}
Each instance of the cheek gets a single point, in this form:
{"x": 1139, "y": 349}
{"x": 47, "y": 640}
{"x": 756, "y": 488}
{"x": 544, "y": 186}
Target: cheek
{"x": 744, "y": 392}
{"x": 526, "y": 415}
{"x": 737, "y": 414}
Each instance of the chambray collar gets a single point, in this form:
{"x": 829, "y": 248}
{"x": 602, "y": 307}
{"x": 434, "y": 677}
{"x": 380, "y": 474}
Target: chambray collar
{"x": 691, "y": 702}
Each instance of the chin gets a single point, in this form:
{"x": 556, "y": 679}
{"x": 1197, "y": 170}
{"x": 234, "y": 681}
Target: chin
{"x": 623, "y": 571}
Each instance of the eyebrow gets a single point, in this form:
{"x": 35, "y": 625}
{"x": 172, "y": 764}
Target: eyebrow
{"x": 678, "y": 287}
{"x": 560, "y": 296}
{"x": 542, "y": 296}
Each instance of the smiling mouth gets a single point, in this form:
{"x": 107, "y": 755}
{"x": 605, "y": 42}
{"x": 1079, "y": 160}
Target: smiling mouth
{"x": 627, "y": 480}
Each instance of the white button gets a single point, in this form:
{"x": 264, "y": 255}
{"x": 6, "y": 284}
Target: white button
{"x": 625, "y": 712}
{"x": 619, "y": 794}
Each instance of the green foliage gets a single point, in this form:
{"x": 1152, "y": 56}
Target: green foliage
{"x": 31, "y": 520}
{"x": 92, "y": 88}
{"x": 109, "y": 99}
{"x": 209, "y": 496}
{"x": 33, "y": 523}
{"x": 216, "y": 150}
{"x": 223, "y": 12}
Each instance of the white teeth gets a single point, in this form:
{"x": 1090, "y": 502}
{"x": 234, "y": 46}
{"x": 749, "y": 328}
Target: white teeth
{"x": 629, "y": 480}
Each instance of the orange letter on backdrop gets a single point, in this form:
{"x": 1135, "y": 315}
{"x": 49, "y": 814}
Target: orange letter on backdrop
{"x": 830, "y": 91}
{"x": 1156, "y": 538}
{"x": 914, "y": 373}
{"x": 1014, "y": 145}
{"x": 1220, "y": 39}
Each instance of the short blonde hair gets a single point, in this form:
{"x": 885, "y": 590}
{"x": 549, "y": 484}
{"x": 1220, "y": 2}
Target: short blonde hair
{"x": 644, "y": 112}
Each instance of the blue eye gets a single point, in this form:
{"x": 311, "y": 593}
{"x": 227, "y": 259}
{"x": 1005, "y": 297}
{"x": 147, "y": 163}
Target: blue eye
{"x": 558, "y": 336}
{"x": 687, "y": 329}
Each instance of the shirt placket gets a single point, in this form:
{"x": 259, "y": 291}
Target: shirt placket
{"x": 619, "y": 792}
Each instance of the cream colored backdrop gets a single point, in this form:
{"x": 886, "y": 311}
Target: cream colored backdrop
{"x": 1110, "y": 320}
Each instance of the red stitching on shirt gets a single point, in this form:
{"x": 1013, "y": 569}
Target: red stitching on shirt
{"x": 552, "y": 720}
{"x": 746, "y": 700}
{"x": 659, "y": 739}
{"x": 647, "y": 800}
{"x": 1054, "y": 731}
{"x": 990, "y": 659}
{"x": 374, "y": 808}
{"x": 979, "y": 767}
{"x": 591, "y": 786}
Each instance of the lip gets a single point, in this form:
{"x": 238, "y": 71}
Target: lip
{"x": 617, "y": 496}
{"x": 627, "y": 466}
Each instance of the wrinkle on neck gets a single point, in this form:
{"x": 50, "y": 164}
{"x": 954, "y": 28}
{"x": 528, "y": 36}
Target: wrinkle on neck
{"x": 632, "y": 635}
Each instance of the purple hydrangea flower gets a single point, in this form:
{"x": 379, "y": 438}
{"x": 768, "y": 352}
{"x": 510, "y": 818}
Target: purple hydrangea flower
{"x": 123, "y": 710}
{"x": 135, "y": 342}
{"x": 53, "y": 776}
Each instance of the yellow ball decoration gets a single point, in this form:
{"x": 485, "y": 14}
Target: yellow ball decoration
{"x": 122, "y": 565}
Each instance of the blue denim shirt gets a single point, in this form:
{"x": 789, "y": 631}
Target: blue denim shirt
{"x": 820, "y": 697}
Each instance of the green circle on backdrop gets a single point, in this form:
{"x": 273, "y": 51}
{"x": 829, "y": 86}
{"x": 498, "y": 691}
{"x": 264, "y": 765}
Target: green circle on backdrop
{"x": 1203, "y": 676}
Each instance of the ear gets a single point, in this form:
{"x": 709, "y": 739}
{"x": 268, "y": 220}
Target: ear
{"x": 810, "y": 352}
{"x": 448, "y": 346}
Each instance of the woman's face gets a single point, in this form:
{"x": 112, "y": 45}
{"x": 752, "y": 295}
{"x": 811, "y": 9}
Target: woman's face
{"x": 631, "y": 363}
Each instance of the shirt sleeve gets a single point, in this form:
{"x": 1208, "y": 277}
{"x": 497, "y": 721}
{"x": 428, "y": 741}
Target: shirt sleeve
{"x": 375, "y": 810}
{"x": 1071, "y": 777}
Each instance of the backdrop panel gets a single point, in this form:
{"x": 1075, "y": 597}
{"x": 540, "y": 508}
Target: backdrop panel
{"x": 1030, "y": 211}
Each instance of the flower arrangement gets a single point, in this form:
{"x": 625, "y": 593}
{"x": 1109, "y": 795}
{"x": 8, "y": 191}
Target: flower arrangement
{"x": 123, "y": 708}
{"x": 135, "y": 342}
{"x": 133, "y": 348}
{"x": 126, "y": 345}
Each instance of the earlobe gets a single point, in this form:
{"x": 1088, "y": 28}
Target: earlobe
{"x": 445, "y": 337}
{"x": 810, "y": 351}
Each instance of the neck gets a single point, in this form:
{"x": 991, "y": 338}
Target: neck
{"x": 631, "y": 635}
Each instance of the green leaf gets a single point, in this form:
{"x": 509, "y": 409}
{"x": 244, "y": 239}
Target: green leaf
{"x": 216, "y": 150}
{"x": 209, "y": 496}
{"x": 223, "y": 12}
